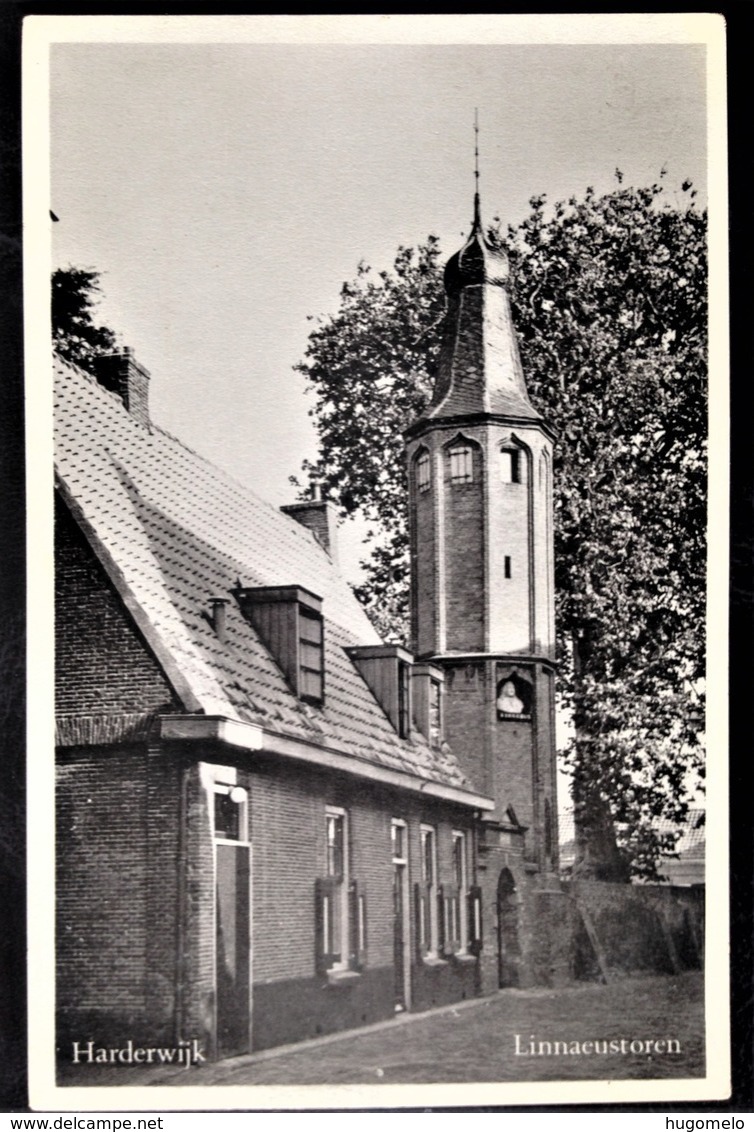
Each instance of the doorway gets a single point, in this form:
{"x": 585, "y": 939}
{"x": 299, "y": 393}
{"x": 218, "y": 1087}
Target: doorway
{"x": 401, "y": 922}
{"x": 232, "y": 923}
{"x": 233, "y": 967}
{"x": 508, "y": 945}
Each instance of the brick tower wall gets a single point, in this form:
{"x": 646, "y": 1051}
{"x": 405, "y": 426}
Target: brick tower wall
{"x": 423, "y": 519}
{"x": 462, "y": 550}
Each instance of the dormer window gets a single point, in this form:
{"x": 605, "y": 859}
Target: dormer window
{"x": 426, "y": 688}
{"x": 423, "y": 472}
{"x": 435, "y": 713}
{"x": 386, "y": 669}
{"x": 289, "y": 622}
{"x": 404, "y": 700}
{"x": 510, "y": 465}
{"x": 311, "y": 675}
{"x": 461, "y": 463}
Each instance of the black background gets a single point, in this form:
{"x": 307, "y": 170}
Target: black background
{"x": 13, "y": 973}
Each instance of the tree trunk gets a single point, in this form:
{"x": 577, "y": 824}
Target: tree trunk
{"x": 597, "y": 854}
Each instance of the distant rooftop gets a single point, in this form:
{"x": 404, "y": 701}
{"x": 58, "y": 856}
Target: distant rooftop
{"x": 686, "y": 868}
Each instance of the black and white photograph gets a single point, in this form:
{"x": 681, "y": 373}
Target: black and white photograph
{"x": 377, "y": 742}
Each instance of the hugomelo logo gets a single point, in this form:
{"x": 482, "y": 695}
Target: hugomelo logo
{"x": 708, "y": 1123}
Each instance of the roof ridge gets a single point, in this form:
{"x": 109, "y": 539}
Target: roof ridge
{"x": 245, "y": 488}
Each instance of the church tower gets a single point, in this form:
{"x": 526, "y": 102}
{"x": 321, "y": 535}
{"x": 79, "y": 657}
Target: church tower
{"x": 481, "y": 526}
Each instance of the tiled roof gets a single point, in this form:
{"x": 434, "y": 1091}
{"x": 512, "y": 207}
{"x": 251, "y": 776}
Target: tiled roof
{"x": 181, "y": 531}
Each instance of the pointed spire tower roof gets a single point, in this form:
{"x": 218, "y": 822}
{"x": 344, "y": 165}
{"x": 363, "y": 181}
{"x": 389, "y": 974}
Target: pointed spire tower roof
{"x": 479, "y": 369}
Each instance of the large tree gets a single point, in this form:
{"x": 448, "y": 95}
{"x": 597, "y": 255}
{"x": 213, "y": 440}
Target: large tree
{"x": 76, "y": 336}
{"x": 609, "y": 299}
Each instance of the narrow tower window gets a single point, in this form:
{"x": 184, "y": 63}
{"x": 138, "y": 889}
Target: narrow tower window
{"x": 510, "y": 469}
{"x": 507, "y": 566}
{"x": 461, "y": 464}
{"x": 423, "y": 478}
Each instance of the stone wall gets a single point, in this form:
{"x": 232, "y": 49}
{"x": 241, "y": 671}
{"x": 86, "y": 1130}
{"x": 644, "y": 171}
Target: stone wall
{"x": 651, "y": 928}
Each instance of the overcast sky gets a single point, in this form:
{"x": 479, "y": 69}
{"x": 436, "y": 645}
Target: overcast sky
{"x": 226, "y": 191}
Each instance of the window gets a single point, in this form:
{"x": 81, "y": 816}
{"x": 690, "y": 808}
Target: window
{"x": 427, "y": 701}
{"x": 230, "y": 813}
{"x": 460, "y": 899}
{"x": 507, "y": 566}
{"x": 429, "y": 862}
{"x": 341, "y": 919}
{"x": 404, "y": 701}
{"x": 427, "y": 894}
{"x": 398, "y": 839}
{"x": 461, "y": 462}
{"x": 435, "y": 713}
{"x": 288, "y": 620}
{"x": 332, "y": 895}
{"x": 335, "y": 843}
{"x": 386, "y": 669}
{"x": 510, "y": 465}
{"x": 311, "y": 667}
{"x": 423, "y": 472}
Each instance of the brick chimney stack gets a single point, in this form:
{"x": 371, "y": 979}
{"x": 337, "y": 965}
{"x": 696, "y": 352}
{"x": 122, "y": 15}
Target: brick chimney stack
{"x": 122, "y": 374}
{"x": 320, "y": 517}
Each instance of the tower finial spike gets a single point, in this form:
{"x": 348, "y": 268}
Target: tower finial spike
{"x": 477, "y": 208}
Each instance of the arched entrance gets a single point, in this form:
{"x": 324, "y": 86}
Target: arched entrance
{"x": 508, "y": 947}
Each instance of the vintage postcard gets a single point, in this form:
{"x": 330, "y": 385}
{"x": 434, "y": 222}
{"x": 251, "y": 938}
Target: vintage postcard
{"x": 373, "y": 758}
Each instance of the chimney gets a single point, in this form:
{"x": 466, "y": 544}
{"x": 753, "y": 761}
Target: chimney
{"x": 218, "y": 615}
{"x": 122, "y": 374}
{"x": 320, "y": 517}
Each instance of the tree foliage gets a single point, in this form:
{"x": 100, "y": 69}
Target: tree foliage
{"x": 609, "y": 300}
{"x": 76, "y": 336}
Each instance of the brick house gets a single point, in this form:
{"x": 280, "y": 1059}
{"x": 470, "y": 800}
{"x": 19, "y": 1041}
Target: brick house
{"x": 271, "y": 824}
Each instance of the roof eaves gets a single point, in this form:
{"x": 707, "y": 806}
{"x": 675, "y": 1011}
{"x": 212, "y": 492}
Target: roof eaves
{"x": 252, "y": 737}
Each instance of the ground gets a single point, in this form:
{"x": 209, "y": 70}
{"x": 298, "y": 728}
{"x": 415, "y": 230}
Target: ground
{"x": 476, "y": 1041}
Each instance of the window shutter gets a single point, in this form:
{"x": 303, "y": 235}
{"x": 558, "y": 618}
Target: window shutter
{"x": 442, "y": 920}
{"x": 325, "y": 893}
{"x": 454, "y": 925}
{"x": 475, "y": 919}
{"x": 357, "y": 925}
{"x": 421, "y": 906}
{"x": 361, "y": 905}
